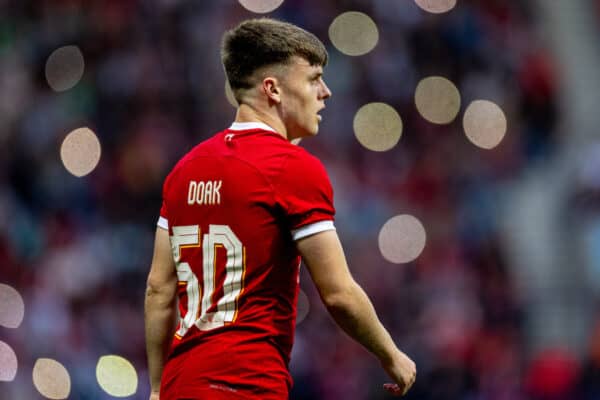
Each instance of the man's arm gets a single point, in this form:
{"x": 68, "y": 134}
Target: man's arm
{"x": 351, "y": 308}
{"x": 159, "y": 308}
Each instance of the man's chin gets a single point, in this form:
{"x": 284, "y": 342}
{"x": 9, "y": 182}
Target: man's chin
{"x": 306, "y": 133}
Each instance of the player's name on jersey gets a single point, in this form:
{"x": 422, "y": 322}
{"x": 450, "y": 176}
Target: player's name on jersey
{"x": 204, "y": 192}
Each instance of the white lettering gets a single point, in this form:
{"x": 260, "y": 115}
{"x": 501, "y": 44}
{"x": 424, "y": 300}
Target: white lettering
{"x": 204, "y": 192}
{"x": 208, "y": 193}
{"x": 192, "y": 192}
{"x": 216, "y": 195}
{"x": 200, "y": 193}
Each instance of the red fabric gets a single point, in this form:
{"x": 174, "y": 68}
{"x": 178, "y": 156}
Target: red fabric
{"x": 226, "y": 367}
{"x": 269, "y": 187}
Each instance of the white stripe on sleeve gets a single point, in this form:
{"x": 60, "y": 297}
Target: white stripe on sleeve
{"x": 163, "y": 223}
{"x": 313, "y": 228}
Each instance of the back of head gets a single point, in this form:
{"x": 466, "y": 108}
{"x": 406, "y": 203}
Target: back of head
{"x": 258, "y": 43}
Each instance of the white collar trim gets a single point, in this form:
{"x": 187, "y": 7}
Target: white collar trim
{"x": 244, "y": 126}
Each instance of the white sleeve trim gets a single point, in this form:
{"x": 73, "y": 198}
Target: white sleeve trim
{"x": 311, "y": 229}
{"x": 163, "y": 223}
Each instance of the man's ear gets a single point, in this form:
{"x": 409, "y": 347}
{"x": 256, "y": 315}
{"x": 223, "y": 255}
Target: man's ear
{"x": 272, "y": 89}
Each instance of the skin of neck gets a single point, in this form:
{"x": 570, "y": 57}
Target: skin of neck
{"x": 248, "y": 113}
{"x": 258, "y": 106}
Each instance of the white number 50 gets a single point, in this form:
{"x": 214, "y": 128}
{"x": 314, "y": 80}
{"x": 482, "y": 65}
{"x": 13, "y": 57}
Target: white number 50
{"x": 200, "y": 301}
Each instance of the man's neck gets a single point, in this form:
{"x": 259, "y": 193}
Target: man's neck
{"x": 245, "y": 113}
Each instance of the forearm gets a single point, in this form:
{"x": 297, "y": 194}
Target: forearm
{"x": 160, "y": 317}
{"x": 355, "y": 314}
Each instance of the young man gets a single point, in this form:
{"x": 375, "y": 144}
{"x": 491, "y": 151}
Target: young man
{"x": 238, "y": 212}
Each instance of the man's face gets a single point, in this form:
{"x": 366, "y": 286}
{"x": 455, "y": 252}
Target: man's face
{"x": 303, "y": 94}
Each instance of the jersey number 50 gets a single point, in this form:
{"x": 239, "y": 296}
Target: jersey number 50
{"x": 200, "y": 301}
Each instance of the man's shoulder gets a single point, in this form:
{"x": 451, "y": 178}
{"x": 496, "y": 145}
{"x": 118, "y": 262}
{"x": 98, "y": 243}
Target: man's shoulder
{"x": 278, "y": 160}
{"x": 302, "y": 161}
{"x": 265, "y": 151}
{"x": 301, "y": 155}
{"x": 205, "y": 147}
{"x": 202, "y": 148}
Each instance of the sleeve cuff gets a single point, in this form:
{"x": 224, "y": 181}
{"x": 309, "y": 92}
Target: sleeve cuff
{"x": 163, "y": 223}
{"x": 311, "y": 229}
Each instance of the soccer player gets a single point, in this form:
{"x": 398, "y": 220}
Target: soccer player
{"x": 238, "y": 212}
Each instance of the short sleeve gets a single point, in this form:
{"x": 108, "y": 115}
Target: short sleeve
{"x": 163, "y": 219}
{"x": 304, "y": 192}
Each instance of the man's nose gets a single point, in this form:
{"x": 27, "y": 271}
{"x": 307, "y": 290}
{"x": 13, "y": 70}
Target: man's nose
{"x": 325, "y": 91}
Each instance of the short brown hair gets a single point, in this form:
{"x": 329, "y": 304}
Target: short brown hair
{"x": 261, "y": 42}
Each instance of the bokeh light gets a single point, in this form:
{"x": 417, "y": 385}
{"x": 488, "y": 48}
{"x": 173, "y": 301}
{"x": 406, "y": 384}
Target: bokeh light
{"x": 261, "y": 6}
{"x": 377, "y": 126}
{"x": 229, "y": 95}
{"x": 402, "y": 239}
{"x": 51, "y": 379}
{"x": 80, "y": 151}
{"x": 353, "y": 33}
{"x": 12, "y": 308}
{"x": 8, "y": 363}
{"x": 437, "y": 99}
{"x": 64, "y": 68}
{"x": 436, "y": 6}
{"x": 484, "y": 123}
{"x": 303, "y": 307}
{"x": 116, "y": 376}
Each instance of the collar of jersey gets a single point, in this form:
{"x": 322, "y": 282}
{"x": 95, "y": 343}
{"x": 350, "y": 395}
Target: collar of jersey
{"x": 245, "y": 126}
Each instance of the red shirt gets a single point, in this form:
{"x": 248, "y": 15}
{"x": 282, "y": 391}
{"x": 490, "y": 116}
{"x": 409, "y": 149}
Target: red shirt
{"x": 234, "y": 206}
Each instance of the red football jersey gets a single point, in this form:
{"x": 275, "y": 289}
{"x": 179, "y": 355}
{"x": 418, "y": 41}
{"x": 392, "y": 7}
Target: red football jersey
{"x": 234, "y": 206}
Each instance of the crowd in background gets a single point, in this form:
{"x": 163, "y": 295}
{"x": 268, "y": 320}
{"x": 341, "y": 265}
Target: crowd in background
{"x": 78, "y": 249}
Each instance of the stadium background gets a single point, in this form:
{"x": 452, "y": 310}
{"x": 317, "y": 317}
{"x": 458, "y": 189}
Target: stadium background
{"x": 501, "y": 303}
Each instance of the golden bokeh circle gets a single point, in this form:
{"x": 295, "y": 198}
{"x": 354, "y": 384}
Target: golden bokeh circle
{"x": 8, "y": 363}
{"x": 377, "y": 126}
{"x": 12, "y": 308}
{"x": 437, "y": 99}
{"x": 51, "y": 379}
{"x": 116, "y": 376}
{"x": 261, "y": 6}
{"x": 436, "y": 6}
{"x": 353, "y": 33}
{"x": 64, "y": 68}
{"x": 484, "y": 123}
{"x": 80, "y": 151}
{"x": 402, "y": 239}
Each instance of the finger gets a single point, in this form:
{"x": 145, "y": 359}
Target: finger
{"x": 405, "y": 390}
{"x": 393, "y": 388}
{"x": 408, "y": 386}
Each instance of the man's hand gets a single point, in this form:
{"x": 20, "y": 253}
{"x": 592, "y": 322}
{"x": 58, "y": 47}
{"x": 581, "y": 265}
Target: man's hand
{"x": 154, "y": 395}
{"x": 403, "y": 371}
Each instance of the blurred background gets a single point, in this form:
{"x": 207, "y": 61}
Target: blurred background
{"x": 461, "y": 140}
